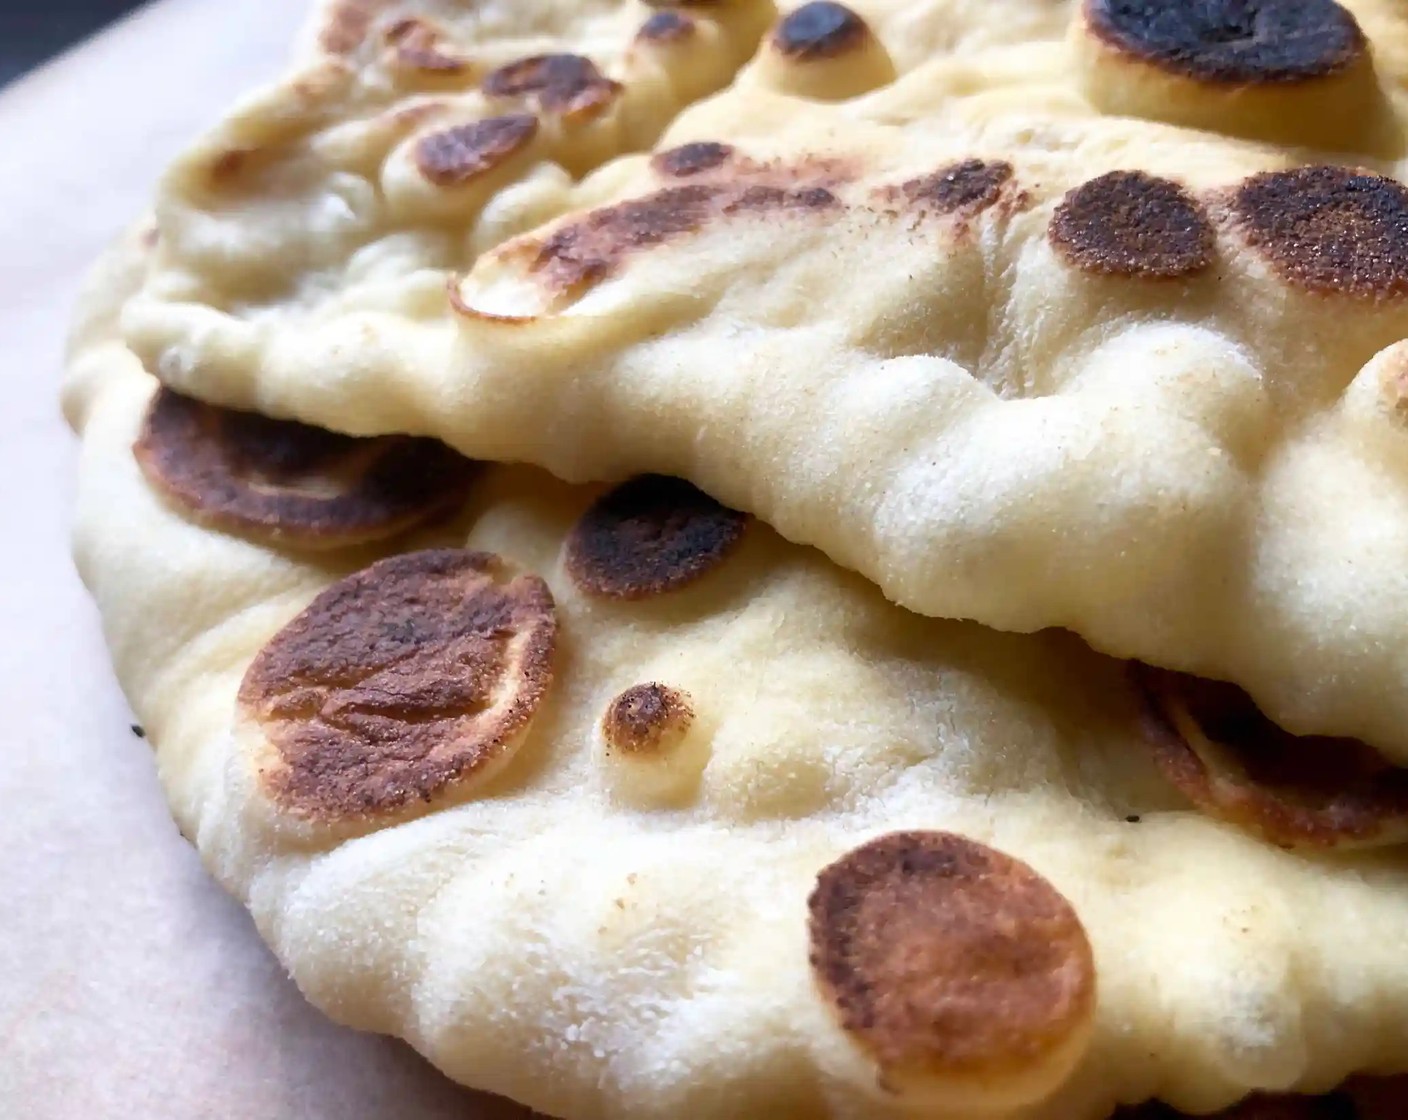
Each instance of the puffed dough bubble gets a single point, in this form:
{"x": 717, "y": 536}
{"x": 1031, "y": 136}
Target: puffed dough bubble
{"x": 653, "y": 749}
{"x": 824, "y": 51}
{"x": 1291, "y": 71}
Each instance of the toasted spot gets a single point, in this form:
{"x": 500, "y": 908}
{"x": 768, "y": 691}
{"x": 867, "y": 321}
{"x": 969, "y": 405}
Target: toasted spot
{"x": 458, "y": 155}
{"x": 293, "y": 484}
{"x": 762, "y": 197}
{"x": 692, "y": 159}
{"x": 650, "y": 536}
{"x": 647, "y": 720}
{"x": 1298, "y": 791}
{"x": 970, "y": 186}
{"x": 564, "y": 84}
{"x": 1232, "y": 41}
{"x": 820, "y": 29}
{"x": 419, "y": 46}
{"x": 590, "y": 248}
{"x": 964, "y": 974}
{"x": 405, "y": 684}
{"x": 667, "y": 27}
{"x": 1329, "y": 229}
{"x": 1127, "y": 223}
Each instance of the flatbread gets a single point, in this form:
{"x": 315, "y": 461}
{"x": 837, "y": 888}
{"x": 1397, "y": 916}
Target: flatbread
{"x": 1009, "y": 355}
{"x": 612, "y": 801}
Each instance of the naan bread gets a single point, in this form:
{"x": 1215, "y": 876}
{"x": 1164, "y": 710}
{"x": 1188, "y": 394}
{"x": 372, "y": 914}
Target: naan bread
{"x": 1012, "y": 356}
{"x": 615, "y": 803}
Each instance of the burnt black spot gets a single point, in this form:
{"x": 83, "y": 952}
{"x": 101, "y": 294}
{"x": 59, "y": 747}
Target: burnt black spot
{"x": 561, "y": 83}
{"x": 458, "y": 155}
{"x": 139, "y": 731}
{"x": 1133, "y": 818}
{"x": 1329, "y": 229}
{"x": 1127, "y": 223}
{"x": 819, "y": 30}
{"x": 650, "y": 536}
{"x": 974, "y": 184}
{"x": 666, "y": 27}
{"x": 1233, "y": 41}
{"x": 692, "y": 159}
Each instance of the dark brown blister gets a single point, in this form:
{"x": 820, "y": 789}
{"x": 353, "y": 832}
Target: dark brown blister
{"x": 459, "y": 155}
{"x": 647, "y": 719}
{"x": 821, "y": 29}
{"x": 968, "y": 186}
{"x": 1128, "y": 223}
{"x": 419, "y": 46}
{"x": 650, "y": 536}
{"x": 667, "y": 27}
{"x": 291, "y": 484}
{"x": 1232, "y": 42}
{"x": 566, "y": 85}
{"x": 1328, "y": 229}
{"x": 402, "y": 686}
{"x": 1212, "y": 742}
{"x": 939, "y": 953}
{"x": 692, "y": 159}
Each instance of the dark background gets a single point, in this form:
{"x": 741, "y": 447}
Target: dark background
{"x": 32, "y": 31}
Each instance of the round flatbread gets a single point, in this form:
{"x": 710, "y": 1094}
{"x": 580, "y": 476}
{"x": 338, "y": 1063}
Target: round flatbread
{"x": 612, "y": 801}
{"x": 1082, "y": 314}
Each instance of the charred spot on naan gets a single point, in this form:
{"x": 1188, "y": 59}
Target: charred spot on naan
{"x": 1298, "y": 791}
{"x": 960, "y": 190}
{"x": 420, "y": 47}
{"x": 820, "y": 29}
{"x": 648, "y": 537}
{"x": 824, "y": 51}
{"x": 1329, "y": 230}
{"x": 1232, "y": 42}
{"x": 564, "y": 85}
{"x": 667, "y": 26}
{"x": 959, "y": 970}
{"x": 457, "y": 156}
{"x": 588, "y": 249}
{"x": 692, "y": 159}
{"x": 404, "y": 686}
{"x": 292, "y": 484}
{"x": 647, "y": 720}
{"x": 1129, "y": 223}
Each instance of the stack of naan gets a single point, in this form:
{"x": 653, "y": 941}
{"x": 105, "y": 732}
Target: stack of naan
{"x": 729, "y": 560}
